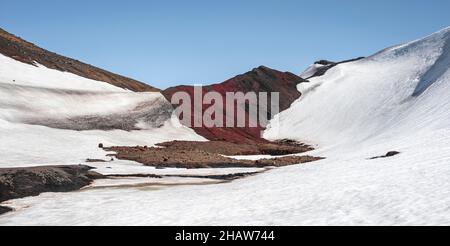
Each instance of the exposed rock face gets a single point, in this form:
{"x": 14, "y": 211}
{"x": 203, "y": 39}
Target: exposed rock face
{"x": 23, "y": 182}
{"x": 4, "y": 210}
{"x": 261, "y": 79}
{"x": 387, "y": 155}
{"x": 26, "y": 52}
{"x": 326, "y": 65}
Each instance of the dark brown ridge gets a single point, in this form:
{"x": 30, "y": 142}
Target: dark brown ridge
{"x": 23, "y": 51}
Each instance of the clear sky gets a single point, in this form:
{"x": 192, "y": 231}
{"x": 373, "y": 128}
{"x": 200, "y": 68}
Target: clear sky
{"x": 166, "y": 43}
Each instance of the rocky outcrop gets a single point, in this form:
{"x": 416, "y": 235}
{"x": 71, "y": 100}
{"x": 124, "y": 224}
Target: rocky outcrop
{"x": 22, "y": 182}
{"x": 322, "y": 66}
{"x": 387, "y": 155}
{"x": 27, "y": 52}
{"x": 261, "y": 79}
{"x": 4, "y": 210}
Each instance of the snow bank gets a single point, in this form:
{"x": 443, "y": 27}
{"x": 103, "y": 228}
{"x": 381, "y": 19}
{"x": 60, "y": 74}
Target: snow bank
{"x": 374, "y": 98}
{"x": 48, "y": 117}
{"x": 23, "y": 102}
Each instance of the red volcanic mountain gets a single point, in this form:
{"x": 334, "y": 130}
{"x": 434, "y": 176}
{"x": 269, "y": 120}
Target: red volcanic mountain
{"x": 261, "y": 79}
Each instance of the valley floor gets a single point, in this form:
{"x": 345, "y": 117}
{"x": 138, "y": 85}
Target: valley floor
{"x": 168, "y": 164}
{"x": 347, "y": 188}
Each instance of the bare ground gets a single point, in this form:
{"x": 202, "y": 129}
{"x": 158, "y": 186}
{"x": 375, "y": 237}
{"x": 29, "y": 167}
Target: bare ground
{"x": 32, "y": 181}
{"x": 184, "y": 154}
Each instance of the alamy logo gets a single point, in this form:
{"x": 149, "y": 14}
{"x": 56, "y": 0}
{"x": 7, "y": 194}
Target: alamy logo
{"x": 229, "y": 109}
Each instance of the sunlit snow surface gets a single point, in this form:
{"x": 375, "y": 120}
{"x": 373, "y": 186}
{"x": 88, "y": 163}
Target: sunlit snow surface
{"x": 310, "y": 71}
{"x": 356, "y": 111}
{"x": 43, "y": 97}
{"x": 17, "y": 73}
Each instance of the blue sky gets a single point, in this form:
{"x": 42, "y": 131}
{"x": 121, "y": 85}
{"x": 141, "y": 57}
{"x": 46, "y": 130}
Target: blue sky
{"x": 166, "y": 43}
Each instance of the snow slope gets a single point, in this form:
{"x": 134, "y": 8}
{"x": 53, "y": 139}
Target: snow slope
{"x": 49, "y": 117}
{"x": 394, "y": 100}
{"x": 311, "y": 70}
{"x": 18, "y": 73}
{"x": 398, "y": 92}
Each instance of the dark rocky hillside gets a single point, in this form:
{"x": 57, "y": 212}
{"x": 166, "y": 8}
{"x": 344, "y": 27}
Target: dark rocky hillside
{"x": 32, "y": 181}
{"x": 27, "y": 52}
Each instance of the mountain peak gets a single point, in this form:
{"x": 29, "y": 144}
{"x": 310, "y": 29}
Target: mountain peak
{"x": 260, "y": 79}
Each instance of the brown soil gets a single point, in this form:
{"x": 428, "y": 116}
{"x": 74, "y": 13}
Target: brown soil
{"x": 284, "y": 147}
{"x": 210, "y": 154}
{"x": 27, "y": 52}
{"x": 32, "y": 181}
